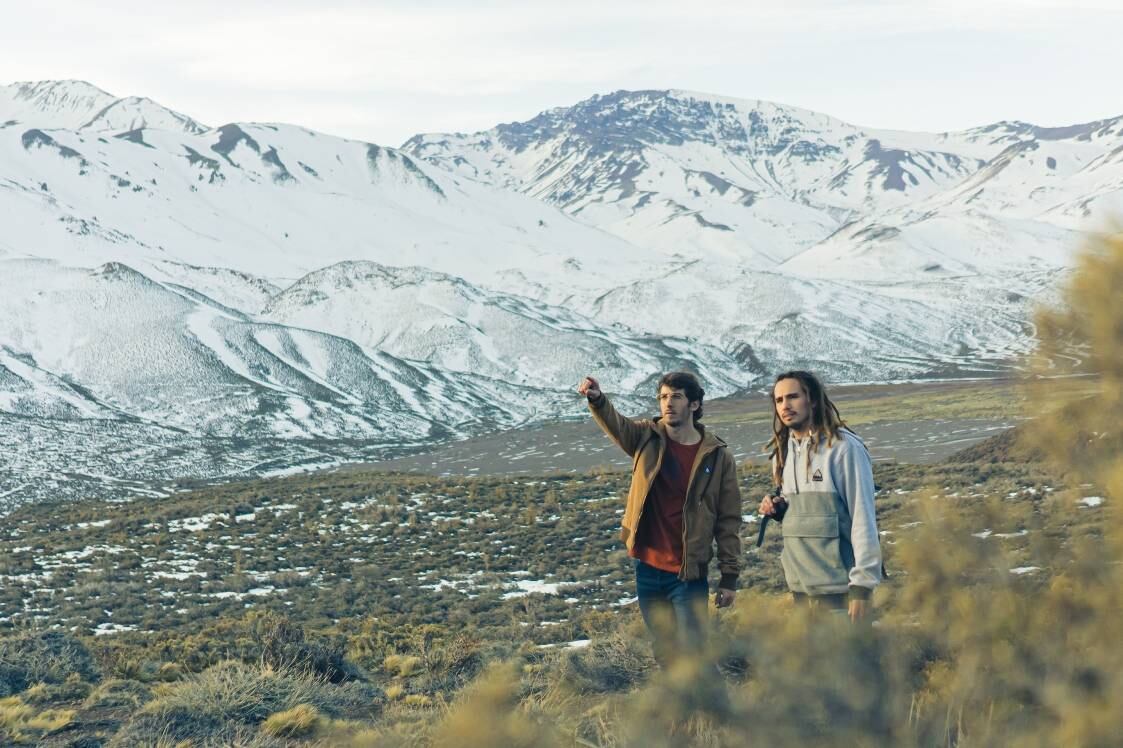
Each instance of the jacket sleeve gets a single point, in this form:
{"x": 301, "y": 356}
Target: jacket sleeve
{"x": 727, "y": 525}
{"x": 627, "y": 433}
{"x": 853, "y": 472}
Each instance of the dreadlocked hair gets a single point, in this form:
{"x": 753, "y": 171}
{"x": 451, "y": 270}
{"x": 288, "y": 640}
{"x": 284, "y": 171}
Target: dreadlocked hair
{"x": 826, "y": 421}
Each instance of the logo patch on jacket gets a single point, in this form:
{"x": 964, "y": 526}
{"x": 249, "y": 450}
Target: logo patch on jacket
{"x": 818, "y": 476}
{"x": 708, "y": 469}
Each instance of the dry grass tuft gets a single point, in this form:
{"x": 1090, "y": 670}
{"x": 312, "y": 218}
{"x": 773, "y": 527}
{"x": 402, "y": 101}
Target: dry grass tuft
{"x": 300, "y": 721}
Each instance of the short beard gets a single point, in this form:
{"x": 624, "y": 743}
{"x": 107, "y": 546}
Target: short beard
{"x": 803, "y": 425}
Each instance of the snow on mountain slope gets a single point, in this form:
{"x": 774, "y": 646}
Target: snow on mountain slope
{"x": 421, "y": 315}
{"x": 108, "y": 374}
{"x": 290, "y": 201}
{"x": 772, "y": 321}
{"x": 52, "y": 104}
{"x": 753, "y": 180}
{"x": 150, "y": 351}
{"x": 1070, "y": 177}
{"x": 77, "y": 105}
{"x": 919, "y": 247}
{"x": 726, "y": 180}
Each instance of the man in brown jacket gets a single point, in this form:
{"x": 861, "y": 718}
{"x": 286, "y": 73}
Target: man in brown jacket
{"x": 683, "y": 497}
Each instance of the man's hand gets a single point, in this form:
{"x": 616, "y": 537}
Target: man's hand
{"x": 590, "y": 388}
{"x": 859, "y": 610}
{"x": 724, "y": 598}
{"x": 766, "y": 508}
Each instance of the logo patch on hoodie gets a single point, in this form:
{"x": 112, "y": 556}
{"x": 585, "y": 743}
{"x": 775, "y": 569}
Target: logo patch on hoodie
{"x": 818, "y": 476}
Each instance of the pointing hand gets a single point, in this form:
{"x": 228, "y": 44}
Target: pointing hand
{"x": 590, "y": 388}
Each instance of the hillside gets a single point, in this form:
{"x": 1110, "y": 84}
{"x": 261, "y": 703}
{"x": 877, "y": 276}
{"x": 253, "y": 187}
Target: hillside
{"x": 403, "y": 589}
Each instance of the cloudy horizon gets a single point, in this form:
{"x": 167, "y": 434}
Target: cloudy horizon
{"x": 385, "y": 71}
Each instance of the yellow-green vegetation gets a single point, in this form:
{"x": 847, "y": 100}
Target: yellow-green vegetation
{"x": 231, "y": 700}
{"x": 24, "y": 724}
{"x": 300, "y": 721}
{"x": 364, "y": 609}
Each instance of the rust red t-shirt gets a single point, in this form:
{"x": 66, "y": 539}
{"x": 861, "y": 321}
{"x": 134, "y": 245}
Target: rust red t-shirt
{"x": 659, "y": 536}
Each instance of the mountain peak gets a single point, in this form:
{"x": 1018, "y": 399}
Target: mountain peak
{"x": 60, "y": 88}
{"x": 52, "y": 104}
{"x": 78, "y": 105}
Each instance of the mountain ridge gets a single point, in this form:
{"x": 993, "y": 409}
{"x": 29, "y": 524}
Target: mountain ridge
{"x": 258, "y": 296}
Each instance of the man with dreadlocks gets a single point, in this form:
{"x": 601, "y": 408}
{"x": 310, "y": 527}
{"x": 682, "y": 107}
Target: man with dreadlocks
{"x": 831, "y": 556}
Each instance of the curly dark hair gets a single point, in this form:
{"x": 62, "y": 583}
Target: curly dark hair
{"x": 690, "y": 386}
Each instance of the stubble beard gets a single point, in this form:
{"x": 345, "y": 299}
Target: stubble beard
{"x": 802, "y": 425}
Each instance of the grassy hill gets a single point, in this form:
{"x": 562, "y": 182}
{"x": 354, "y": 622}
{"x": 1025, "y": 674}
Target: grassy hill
{"x": 368, "y": 608}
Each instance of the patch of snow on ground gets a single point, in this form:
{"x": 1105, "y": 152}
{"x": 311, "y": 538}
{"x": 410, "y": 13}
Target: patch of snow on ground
{"x": 111, "y": 628}
{"x": 528, "y": 586}
{"x": 192, "y": 524}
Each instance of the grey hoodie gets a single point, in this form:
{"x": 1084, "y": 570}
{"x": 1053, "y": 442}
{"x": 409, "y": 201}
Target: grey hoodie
{"x": 830, "y": 530}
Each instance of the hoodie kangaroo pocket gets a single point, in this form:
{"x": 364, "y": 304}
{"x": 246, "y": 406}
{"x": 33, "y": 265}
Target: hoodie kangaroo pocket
{"x": 812, "y": 558}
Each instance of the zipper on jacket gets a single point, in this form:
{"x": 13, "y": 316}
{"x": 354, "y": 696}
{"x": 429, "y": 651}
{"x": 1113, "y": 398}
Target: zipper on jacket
{"x": 685, "y": 504}
{"x": 643, "y": 506}
{"x": 795, "y": 468}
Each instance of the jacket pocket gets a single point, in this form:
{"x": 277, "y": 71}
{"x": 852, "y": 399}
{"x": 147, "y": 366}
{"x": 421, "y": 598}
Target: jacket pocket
{"x": 811, "y": 526}
{"x": 812, "y": 558}
{"x": 701, "y": 524}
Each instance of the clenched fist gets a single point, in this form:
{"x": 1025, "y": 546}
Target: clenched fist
{"x": 590, "y": 388}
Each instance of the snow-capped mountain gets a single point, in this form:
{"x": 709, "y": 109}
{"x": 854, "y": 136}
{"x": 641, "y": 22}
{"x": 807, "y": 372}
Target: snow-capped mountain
{"x": 278, "y": 201}
{"x": 767, "y": 186}
{"x": 421, "y": 315}
{"x": 77, "y": 105}
{"x": 185, "y": 301}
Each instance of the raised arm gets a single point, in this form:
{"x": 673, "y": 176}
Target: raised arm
{"x": 627, "y": 433}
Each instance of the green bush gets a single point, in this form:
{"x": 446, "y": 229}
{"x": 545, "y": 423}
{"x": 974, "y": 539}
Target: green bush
{"x": 611, "y": 665}
{"x": 284, "y": 646}
{"x": 118, "y": 692}
{"x": 221, "y": 701}
{"x": 42, "y": 657}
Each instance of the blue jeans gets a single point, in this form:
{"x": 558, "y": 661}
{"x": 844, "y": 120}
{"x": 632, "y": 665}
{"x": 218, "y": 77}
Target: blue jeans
{"x": 674, "y": 611}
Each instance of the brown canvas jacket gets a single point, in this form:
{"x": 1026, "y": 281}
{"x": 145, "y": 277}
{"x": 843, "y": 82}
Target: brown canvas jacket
{"x": 713, "y": 501}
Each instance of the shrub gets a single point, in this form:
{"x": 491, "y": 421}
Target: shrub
{"x": 42, "y": 657}
{"x": 284, "y": 647}
{"x": 220, "y": 701}
{"x": 489, "y": 714}
{"x": 615, "y": 664}
{"x": 118, "y": 692}
{"x": 20, "y": 723}
{"x": 417, "y": 700}
{"x": 401, "y": 665}
{"x": 72, "y": 689}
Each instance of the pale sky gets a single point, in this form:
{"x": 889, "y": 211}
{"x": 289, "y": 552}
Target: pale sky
{"x": 382, "y": 71}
